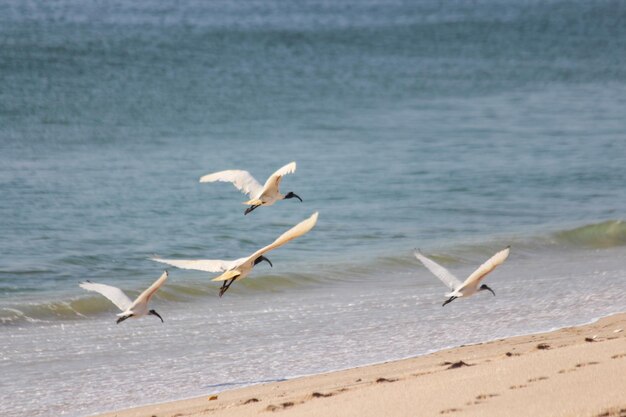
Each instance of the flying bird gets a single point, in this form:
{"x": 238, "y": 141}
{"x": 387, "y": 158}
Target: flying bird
{"x": 240, "y": 268}
{"x": 471, "y": 284}
{"x": 260, "y": 195}
{"x": 134, "y": 309}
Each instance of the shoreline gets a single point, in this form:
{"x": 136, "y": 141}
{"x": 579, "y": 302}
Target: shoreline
{"x": 577, "y": 369}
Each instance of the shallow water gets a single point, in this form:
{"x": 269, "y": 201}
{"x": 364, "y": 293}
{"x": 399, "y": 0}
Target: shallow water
{"x": 454, "y": 128}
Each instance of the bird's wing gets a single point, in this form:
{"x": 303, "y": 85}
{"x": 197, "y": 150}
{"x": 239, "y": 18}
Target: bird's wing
{"x": 147, "y": 294}
{"x": 243, "y": 180}
{"x": 207, "y": 265}
{"x": 273, "y": 182}
{"x": 487, "y": 267}
{"x": 114, "y": 294}
{"x": 439, "y": 271}
{"x": 296, "y": 231}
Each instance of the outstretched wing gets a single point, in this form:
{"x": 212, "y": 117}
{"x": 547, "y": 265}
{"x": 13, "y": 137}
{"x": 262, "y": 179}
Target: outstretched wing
{"x": 273, "y": 182}
{"x": 487, "y": 267}
{"x": 439, "y": 271}
{"x": 114, "y": 294}
{"x": 147, "y": 294}
{"x": 298, "y": 230}
{"x": 207, "y": 265}
{"x": 240, "y": 179}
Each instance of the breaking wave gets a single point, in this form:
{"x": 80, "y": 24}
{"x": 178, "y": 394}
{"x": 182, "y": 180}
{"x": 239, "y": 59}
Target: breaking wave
{"x": 599, "y": 235}
{"x": 605, "y": 234}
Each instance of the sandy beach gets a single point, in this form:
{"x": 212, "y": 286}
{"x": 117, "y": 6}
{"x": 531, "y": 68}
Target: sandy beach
{"x": 575, "y": 371}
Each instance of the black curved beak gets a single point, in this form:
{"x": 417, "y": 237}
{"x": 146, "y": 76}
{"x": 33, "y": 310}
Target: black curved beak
{"x": 261, "y": 259}
{"x": 489, "y": 289}
{"x": 291, "y": 194}
{"x": 154, "y": 313}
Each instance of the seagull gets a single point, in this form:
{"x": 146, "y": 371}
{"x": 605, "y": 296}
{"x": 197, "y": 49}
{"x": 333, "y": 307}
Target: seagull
{"x": 260, "y": 195}
{"x": 470, "y": 286}
{"x": 135, "y": 309}
{"x": 240, "y": 268}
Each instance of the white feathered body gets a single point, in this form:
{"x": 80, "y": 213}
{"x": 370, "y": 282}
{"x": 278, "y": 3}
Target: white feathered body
{"x": 240, "y": 268}
{"x": 260, "y": 195}
{"x": 463, "y": 292}
{"x": 472, "y": 284}
{"x": 133, "y": 309}
{"x": 136, "y": 311}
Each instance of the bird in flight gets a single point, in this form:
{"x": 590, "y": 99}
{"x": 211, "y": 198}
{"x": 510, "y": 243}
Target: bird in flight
{"x": 134, "y": 309}
{"x": 240, "y": 268}
{"x": 471, "y": 285}
{"x": 260, "y": 195}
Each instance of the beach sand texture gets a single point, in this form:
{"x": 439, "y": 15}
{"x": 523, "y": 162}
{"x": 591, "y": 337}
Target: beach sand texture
{"x": 575, "y": 371}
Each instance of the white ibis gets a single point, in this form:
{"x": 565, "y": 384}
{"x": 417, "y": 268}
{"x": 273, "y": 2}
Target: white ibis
{"x": 260, "y": 195}
{"x": 240, "y": 268}
{"x": 471, "y": 284}
{"x": 134, "y": 309}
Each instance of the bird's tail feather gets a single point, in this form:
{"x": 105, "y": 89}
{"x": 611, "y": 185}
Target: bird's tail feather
{"x": 227, "y": 275}
{"x": 253, "y": 202}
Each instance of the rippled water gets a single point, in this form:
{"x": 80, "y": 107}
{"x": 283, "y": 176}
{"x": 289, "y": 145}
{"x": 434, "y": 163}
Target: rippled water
{"x": 453, "y": 127}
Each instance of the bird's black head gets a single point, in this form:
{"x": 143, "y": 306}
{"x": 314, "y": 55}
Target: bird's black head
{"x": 291, "y": 194}
{"x": 485, "y": 287}
{"x": 154, "y": 313}
{"x": 261, "y": 259}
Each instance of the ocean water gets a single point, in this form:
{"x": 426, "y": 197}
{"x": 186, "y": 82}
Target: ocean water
{"x": 455, "y": 127}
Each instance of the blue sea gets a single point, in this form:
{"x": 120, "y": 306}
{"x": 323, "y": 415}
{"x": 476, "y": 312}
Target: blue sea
{"x": 456, "y": 127}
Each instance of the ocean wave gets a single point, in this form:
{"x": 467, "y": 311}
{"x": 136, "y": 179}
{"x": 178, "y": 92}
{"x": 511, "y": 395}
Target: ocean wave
{"x": 600, "y": 235}
{"x": 604, "y": 234}
{"x": 92, "y": 304}
{"x": 607, "y": 234}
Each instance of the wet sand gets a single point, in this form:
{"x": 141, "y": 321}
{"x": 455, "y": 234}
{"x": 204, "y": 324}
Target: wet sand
{"x": 576, "y": 371}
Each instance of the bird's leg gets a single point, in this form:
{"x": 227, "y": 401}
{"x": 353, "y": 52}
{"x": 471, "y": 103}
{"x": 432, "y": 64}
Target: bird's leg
{"x": 225, "y": 286}
{"x": 249, "y": 209}
{"x": 121, "y": 319}
{"x": 449, "y": 300}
